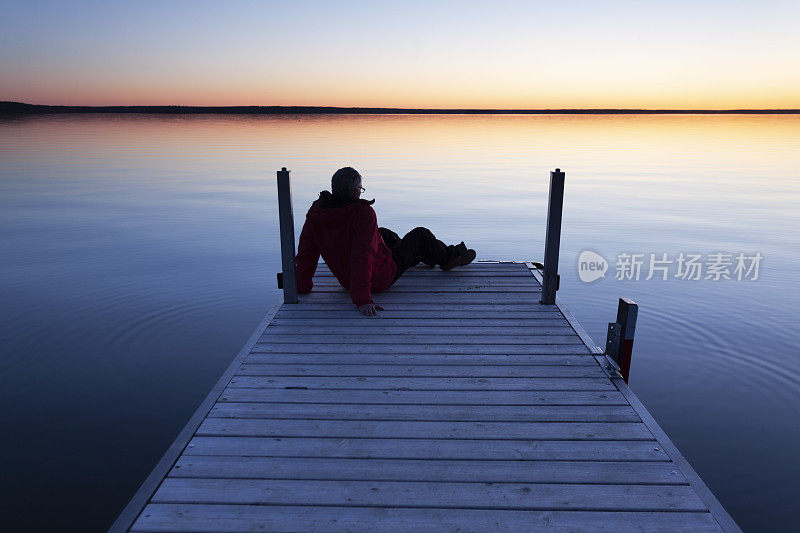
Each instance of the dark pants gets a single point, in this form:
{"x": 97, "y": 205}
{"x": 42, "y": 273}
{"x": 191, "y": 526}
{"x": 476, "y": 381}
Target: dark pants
{"x": 418, "y": 245}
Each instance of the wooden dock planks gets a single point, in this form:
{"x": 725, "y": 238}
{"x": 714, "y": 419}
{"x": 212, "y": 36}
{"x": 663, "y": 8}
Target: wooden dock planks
{"x": 465, "y": 405}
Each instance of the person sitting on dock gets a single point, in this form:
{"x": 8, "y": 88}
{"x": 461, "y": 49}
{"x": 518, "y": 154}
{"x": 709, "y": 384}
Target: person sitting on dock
{"x": 365, "y": 259}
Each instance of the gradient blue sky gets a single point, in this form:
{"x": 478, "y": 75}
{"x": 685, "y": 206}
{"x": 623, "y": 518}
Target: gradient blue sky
{"x": 496, "y": 54}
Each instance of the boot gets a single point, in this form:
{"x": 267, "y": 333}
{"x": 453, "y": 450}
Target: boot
{"x": 458, "y": 255}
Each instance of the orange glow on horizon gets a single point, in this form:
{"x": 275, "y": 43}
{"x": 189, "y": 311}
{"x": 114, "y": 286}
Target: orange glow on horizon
{"x": 388, "y": 100}
{"x": 564, "y": 94}
{"x": 345, "y": 54}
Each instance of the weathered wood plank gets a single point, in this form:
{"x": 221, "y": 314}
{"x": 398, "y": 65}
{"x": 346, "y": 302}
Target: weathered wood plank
{"x": 348, "y": 315}
{"x": 430, "y": 494}
{"x": 436, "y": 273}
{"x": 316, "y": 468}
{"x": 238, "y": 518}
{"x": 437, "y": 397}
{"x": 424, "y": 430}
{"x": 499, "y": 371}
{"x": 474, "y": 384}
{"x": 421, "y": 359}
{"x": 443, "y": 310}
{"x": 421, "y": 412}
{"x": 458, "y": 278}
{"x": 447, "y": 281}
{"x": 433, "y": 449}
{"x": 477, "y": 265}
{"x": 310, "y": 338}
{"x": 434, "y": 283}
{"x": 335, "y": 319}
{"x": 484, "y": 349}
{"x": 443, "y": 298}
{"x": 412, "y": 291}
{"x": 376, "y": 328}
{"x": 488, "y": 279}
{"x": 453, "y": 274}
{"x": 482, "y": 266}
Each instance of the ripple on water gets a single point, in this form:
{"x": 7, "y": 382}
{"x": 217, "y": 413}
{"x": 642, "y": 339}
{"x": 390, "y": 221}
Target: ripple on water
{"x": 716, "y": 355}
{"x": 704, "y": 343}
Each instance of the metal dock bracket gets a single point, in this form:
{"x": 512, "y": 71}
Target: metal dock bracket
{"x": 550, "y": 278}
{"x": 619, "y": 340}
{"x": 286, "y": 279}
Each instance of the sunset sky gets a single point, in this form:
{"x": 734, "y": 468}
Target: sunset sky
{"x": 569, "y": 54}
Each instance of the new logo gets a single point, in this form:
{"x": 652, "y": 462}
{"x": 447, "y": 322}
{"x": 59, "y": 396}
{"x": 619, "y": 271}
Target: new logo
{"x": 591, "y": 266}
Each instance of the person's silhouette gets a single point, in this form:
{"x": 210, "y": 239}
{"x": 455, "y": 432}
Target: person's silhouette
{"x": 365, "y": 259}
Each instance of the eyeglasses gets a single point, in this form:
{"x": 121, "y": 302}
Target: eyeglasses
{"x": 362, "y": 188}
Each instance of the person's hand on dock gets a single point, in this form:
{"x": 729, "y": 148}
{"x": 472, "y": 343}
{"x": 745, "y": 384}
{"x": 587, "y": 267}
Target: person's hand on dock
{"x": 370, "y": 309}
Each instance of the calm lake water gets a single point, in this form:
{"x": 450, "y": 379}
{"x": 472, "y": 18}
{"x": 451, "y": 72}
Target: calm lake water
{"x": 138, "y": 253}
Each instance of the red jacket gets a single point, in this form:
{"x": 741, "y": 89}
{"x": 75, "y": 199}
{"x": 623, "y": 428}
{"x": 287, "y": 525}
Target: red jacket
{"x": 345, "y": 233}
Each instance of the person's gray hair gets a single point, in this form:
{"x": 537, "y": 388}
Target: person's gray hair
{"x": 344, "y": 181}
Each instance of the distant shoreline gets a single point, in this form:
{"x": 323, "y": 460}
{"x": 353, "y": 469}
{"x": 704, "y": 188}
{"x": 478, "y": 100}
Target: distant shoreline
{"x": 19, "y": 108}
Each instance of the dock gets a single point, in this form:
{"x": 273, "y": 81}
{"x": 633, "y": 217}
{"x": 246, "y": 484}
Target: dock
{"x": 465, "y": 405}
{"x": 474, "y": 402}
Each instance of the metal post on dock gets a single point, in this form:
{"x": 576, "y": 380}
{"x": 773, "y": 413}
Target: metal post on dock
{"x": 286, "y": 279}
{"x": 550, "y": 278}
{"x": 619, "y": 342}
